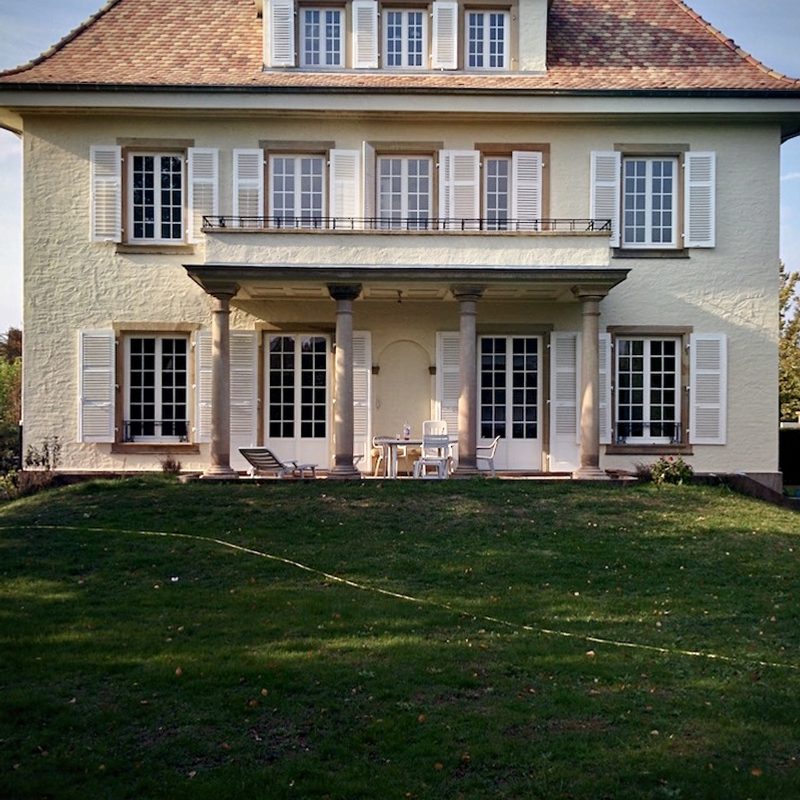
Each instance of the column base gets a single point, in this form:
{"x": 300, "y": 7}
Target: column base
{"x": 466, "y": 471}
{"x": 219, "y": 474}
{"x": 344, "y": 472}
{"x": 586, "y": 473}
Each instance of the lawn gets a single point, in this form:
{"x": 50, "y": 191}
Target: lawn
{"x": 475, "y": 639}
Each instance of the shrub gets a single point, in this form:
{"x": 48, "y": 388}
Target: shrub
{"x": 170, "y": 465}
{"x": 47, "y": 456}
{"x": 671, "y": 470}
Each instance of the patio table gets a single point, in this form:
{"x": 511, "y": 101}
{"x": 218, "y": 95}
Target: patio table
{"x": 393, "y": 443}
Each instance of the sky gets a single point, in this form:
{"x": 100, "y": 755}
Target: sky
{"x": 769, "y": 29}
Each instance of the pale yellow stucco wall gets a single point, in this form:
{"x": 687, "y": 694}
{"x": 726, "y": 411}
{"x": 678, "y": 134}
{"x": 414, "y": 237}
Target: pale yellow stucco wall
{"x": 73, "y": 284}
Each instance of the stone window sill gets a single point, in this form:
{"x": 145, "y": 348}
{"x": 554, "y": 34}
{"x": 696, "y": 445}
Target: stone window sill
{"x": 653, "y": 450}
{"x": 155, "y": 448}
{"x": 623, "y": 252}
{"x": 155, "y": 249}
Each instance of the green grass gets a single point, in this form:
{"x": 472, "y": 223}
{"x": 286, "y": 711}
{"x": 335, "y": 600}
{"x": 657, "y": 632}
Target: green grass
{"x": 158, "y": 666}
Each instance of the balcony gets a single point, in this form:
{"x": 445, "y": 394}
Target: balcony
{"x": 406, "y": 225}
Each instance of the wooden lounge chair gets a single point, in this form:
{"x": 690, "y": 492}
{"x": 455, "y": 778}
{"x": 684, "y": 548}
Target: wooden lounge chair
{"x": 263, "y": 460}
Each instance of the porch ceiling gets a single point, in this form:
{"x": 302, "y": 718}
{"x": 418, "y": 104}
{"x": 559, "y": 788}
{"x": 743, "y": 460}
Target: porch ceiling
{"x": 412, "y": 282}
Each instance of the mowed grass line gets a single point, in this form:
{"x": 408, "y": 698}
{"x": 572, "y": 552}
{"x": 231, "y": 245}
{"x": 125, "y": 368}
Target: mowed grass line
{"x": 140, "y": 666}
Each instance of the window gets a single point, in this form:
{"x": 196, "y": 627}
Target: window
{"x": 405, "y": 39}
{"x": 649, "y": 202}
{"x": 486, "y": 39}
{"x": 156, "y": 197}
{"x": 497, "y": 196}
{"x": 648, "y": 390}
{"x": 156, "y": 397}
{"x": 404, "y": 191}
{"x": 297, "y": 191}
{"x": 321, "y": 37}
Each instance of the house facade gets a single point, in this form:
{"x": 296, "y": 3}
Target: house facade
{"x": 308, "y": 224}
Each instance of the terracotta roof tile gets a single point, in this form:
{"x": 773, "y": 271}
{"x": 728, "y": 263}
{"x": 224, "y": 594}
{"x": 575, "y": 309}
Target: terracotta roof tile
{"x": 593, "y": 45}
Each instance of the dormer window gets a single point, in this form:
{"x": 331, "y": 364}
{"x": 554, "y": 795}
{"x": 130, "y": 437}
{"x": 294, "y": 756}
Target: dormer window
{"x": 486, "y": 39}
{"x": 405, "y": 39}
{"x": 321, "y": 37}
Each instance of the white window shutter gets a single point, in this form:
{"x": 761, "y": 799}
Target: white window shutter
{"x": 604, "y": 389}
{"x": 244, "y": 399}
{"x": 97, "y": 386}
{"x": 279, "y": 33}
{"x": 526, "y": 188}
{"x": 362, "y": 395}
{"x": 708, "y": 388}
{"x": 444, "y": 50}
{"x": 564, "y": 405}
{"x": 365, "y": 34}
{"x": 248, "y": 183}
{"x": 345, "y": 183}
{"x": 459, "y": 188}
{"x": 606, "y": 177}
{"x": 448, "y": 378}
{"x": 203, "y": 188}
{"x": 202, "y": 386}
{"x": 700, "y": 197}
{"x": 106, "y": 193}
{"x": 370, "y": 185}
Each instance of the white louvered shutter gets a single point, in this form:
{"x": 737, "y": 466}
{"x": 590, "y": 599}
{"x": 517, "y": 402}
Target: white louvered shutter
{"x": 444, "y": 35}
{"x": 700, "y": 197}
{"x": 248, "y": 184}
{"x": 106, "y": 193}
{"x": 526, "y": 188}
{"x": 448, "y": 378}
{"x": 362, "y": 396}
{"x": 279, "y": 33}
{"x": 203, "y": 188}
{"x": 244, "y": 357}
{"x": 345, "y": 184}
{"x": 605, "y": 356}
{"x": 459, "y": 188}
{"x": 369, "y": 186}
{"x": 97, "y": 386}
{"x": 202, "y": 386}
{"x": 564, "y": 405}
{"x": 365, "y": 34}
{"x": 606, "y": 176}
{"x": 708, "y": 388}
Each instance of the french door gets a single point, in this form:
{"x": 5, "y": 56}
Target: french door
{"x": 297, "y": 392}
{"x": 509, "y": 389}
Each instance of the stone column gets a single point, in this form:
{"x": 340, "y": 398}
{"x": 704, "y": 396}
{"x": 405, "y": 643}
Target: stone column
{"x": 343, "y": 394}
{"x": 467, "y": 297}
{"x": 589, "y": 468}
{"x": 220, "y": 453}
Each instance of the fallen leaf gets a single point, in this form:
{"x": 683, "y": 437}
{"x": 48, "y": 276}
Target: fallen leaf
{"x": 438, "y": 765}
{"x": 178, "y": 672}
{"x": 756, "y": 772}
{"x": 421, "y": 718}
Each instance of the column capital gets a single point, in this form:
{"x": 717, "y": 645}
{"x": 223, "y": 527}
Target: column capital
{"x": 587, "y": 294}
{"x": 344, "y": 291}
{"x": 467, "y": 292}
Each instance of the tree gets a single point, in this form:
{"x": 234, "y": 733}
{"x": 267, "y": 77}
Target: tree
{"x": 11, "y": 345}
{"x": 789, "y": 347}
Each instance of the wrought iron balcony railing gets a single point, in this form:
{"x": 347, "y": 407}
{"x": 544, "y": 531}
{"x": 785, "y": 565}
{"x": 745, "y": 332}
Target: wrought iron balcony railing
{"x": 136, "y": 430}
{"x": 413, "y": 224}
{"x": 646, "y": 432}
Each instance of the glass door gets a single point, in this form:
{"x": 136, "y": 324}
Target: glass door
{"x": 297, "y": 396}
{"x": 509, "y": 388}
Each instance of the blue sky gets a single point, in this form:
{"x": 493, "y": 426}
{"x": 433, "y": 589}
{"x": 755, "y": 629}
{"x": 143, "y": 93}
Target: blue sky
{"x": 769, "y": 29}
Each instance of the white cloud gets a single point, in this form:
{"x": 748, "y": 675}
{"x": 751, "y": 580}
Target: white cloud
{"x": 790, "y": 176}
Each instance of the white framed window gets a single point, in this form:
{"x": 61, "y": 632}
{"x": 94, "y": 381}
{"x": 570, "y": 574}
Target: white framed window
{"x": 156, "y": 197}
{"x": 649, "y": 202}
{"x": 497, "y": 191}
{"x": 405, "y": 191}
{"x": 648, "y": 396}
{"x": 156, "y": 388}
{"x": 487, "y": 39}
{"x": 297, "y": 190}
{"x": 321, "y": 37}
{"x": 405, "y": 38}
